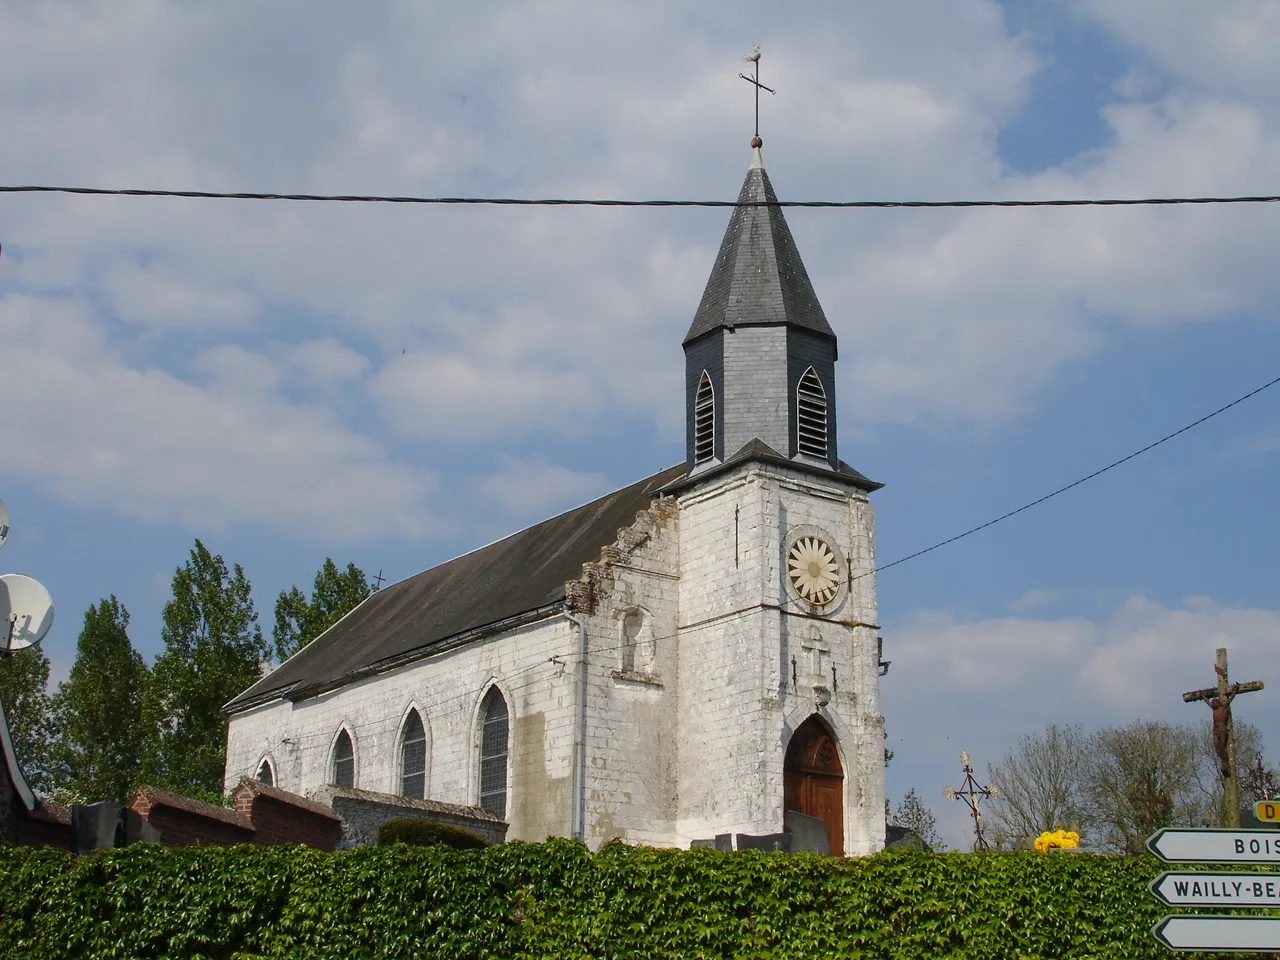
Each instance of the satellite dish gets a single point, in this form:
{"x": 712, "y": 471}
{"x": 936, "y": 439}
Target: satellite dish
{"x": 4, "y": 523}
{"x": 26, "y": 612}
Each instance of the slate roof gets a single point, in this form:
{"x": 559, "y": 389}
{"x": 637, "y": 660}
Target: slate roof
{"x": 520, "y": 574}
{"x": 758, "y": 277}
{"x": 757, "y": 449}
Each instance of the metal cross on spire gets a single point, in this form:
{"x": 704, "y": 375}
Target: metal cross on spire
{"x": 754, "y": 59}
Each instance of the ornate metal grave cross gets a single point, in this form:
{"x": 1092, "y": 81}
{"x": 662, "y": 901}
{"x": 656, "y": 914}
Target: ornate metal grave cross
{"x": 973, "y": 793}
{"x": 1224, "y": 737}
{"x": 753, "y": 58}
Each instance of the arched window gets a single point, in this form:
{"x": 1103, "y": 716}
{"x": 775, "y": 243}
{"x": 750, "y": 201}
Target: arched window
{"x": 493, "y": 753}
{"x": 413, "y": 757}
{"x": 265, "y": 775}
{"x": 704, "y": 421}
{"x": 811, "y": 415}
{"x": 344, "y": 761}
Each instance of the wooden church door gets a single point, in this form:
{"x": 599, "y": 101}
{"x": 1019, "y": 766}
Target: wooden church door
{"x": 813, "y": 781}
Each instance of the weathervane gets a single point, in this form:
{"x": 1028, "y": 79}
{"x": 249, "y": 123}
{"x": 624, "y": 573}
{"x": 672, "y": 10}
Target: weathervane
{"x": 754, "y": 58}
{"x": 972, "y": 793}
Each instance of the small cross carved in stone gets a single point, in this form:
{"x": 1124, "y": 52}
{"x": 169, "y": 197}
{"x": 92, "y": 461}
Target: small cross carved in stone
{"x": 816, "y": 648}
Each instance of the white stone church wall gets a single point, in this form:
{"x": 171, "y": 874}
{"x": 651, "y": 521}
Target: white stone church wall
{"x": 741, "y": 626}
{"x": 446, "y": 689}
{"x": 632, "y": 701}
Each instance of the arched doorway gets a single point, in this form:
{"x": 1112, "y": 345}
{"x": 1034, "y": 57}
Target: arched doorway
{"x": 813, "y": 781}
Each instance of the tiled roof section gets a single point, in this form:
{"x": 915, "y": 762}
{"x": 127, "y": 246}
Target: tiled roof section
{"x": 55, "y": 812}
{"x": 176, "y": 801}
{"x": 758, "y": 277}
{"x": 757, "y": 449}
{"x": 409, "y": 803}
{"x": 518, "y": 575}
{"x": 256, "y": 788}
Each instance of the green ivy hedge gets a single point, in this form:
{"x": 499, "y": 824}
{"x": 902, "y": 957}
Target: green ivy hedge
{"x": 556, "y": 900}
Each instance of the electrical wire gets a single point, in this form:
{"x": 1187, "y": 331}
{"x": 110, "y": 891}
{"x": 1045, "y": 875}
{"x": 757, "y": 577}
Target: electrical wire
{"x": 1063, "y": 489}
{"x": 581, "y": 202}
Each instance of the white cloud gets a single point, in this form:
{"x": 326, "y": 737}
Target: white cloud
{"x": 994, "y": 680}
{"x": 553, "y": 322}
{"x": 156, "y": 447}
{"x": 534, "y": 489}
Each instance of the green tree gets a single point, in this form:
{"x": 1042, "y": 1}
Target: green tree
{"x": 919, "y": 819}
{"x": 1142, "y": 777}
{"x": 98, "y": 710}
{"x": 24, "y": 677}
{"x": 1041, "y": 783}
{"x": 300, "y": 620}
{"x": 213, "y": 650}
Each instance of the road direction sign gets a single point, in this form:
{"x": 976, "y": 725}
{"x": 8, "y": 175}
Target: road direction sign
{"x": 1268, "y": 811}
{"x": 1209, "y": 845}
{"x": 1208, "y": 889}
{"x": 1221, "y": 933}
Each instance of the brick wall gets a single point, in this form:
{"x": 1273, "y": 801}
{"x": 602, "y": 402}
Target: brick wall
{"x": 280, "y": 817}
{"x": 184, "y": 821}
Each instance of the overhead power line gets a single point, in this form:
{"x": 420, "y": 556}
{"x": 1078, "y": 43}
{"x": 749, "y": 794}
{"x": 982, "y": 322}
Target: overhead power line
{"x": 580, "y": 202}
{"x": 1076, "y": 483}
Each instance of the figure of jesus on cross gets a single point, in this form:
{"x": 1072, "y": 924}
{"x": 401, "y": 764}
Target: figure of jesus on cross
{"x": 1224, "y": 742}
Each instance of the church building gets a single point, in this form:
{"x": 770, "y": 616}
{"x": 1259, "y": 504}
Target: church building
{"x": 692, "y": 655}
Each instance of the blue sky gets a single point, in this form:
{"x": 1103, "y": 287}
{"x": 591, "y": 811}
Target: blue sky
{"x": 395, "y": 385}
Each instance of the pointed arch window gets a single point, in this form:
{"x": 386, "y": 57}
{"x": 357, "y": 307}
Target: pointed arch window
{"x": 704, "y": 420}
{"x": 493, "y": 752}
{"x": 344, "y": 761}
{"x": 413, "y": 757}
{"x": 265, "y": 775}
{"x": 811, "y": 415}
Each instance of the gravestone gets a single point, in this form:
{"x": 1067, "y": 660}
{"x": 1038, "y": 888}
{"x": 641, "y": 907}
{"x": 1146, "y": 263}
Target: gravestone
{"x": 94, "y": 825}
{"x": 807, "y": 833}
{"x": 767, "y": 841}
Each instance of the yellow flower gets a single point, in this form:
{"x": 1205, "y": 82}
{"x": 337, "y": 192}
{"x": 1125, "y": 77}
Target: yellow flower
{"x": 1062, "y": 839}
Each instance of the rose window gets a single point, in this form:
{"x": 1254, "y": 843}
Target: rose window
{"x": 813, "y": 570}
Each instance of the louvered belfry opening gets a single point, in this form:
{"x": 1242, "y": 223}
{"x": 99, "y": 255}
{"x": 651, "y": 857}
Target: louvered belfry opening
{"x": 811, "y": 415}
{"x": 344, "y": 761}
{"x": 493, "y": 753}
{"x": 704, "y": 421}
{"x": 413, "y": 758}
{"x": 265, "y": 776}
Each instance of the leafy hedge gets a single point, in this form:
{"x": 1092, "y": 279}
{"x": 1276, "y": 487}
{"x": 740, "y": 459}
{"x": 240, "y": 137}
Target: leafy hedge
{"x": 425, "y": 833}
{"x": 556, "y": 900}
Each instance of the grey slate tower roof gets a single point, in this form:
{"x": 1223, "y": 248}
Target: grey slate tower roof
{"x": 758, "y": 277}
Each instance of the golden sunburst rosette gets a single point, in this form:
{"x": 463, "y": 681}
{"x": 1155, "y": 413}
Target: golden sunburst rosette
{"x": 813, "y": 570}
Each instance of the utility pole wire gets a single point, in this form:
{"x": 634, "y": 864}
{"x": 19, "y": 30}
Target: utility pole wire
{"x": 1069, "y": 486}
{"x": 577, "y": 202}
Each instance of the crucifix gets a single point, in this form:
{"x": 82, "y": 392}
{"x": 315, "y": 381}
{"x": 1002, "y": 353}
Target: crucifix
{"x": 1224, "y": 739}
{"x": 753, "y": 58}
{"x": 972, "y": 793}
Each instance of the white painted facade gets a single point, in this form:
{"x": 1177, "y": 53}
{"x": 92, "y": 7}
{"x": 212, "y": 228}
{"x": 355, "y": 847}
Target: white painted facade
{"x": 692, "y": 628}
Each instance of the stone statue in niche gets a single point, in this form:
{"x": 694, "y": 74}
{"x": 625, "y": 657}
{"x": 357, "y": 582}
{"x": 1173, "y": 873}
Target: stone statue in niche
{"x": 638, "y": 646}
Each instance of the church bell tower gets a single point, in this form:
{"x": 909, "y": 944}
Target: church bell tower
{"x": 759, "y": 356}
{"x": 778, "y": 644}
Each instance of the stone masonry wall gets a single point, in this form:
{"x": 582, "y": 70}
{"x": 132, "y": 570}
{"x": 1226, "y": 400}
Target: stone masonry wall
{"x": 740, "y": 627}
{"x": 531, "y": 665}
{"x": 628, "y": 604}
